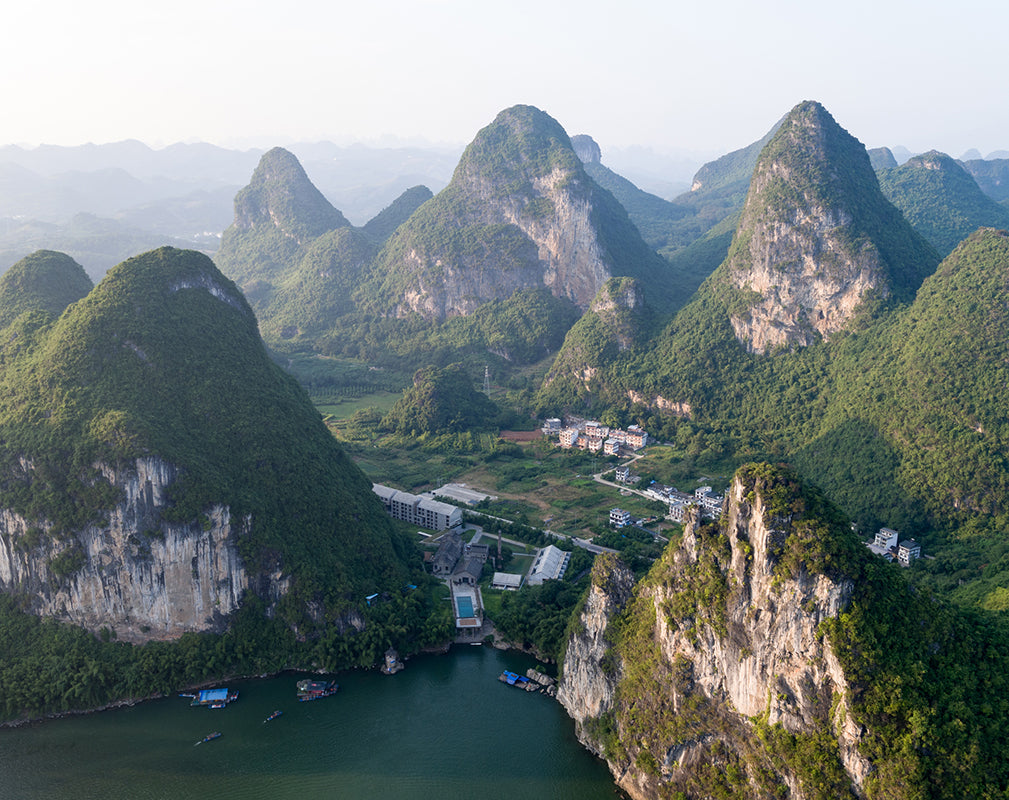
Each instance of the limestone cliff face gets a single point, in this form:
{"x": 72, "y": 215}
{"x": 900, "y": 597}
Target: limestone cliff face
{"x": 520, "y": 212}
{"x": 587, "y": 149}
{"x": 800, "y": 301}
{"x": 723, "y": 632}
{"x": 142, "y": 577}
{"x": 591, "y": 676}
{"x": 816, "y": 239}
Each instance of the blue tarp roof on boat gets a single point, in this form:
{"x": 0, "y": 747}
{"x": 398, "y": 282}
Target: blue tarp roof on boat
{"x": 210, "y": 695}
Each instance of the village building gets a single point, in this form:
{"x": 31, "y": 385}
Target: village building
{"x": 619, "y": 518}
{"x": 447, "y": 556}
{"x": 635, "y": 438}
{"x": 679, "y": 509}
{"x": 552, "y": 427}
{"x": 569, "y": 437}
{"x": 508, "y": 581}
{"x": 908, "y": 552}
{"x": 656, "y": 491}
{"x": 622, "y": 474}
{"x": 710, "y": 503}
{"x": 467, "y": 571}
{"x": 884, "y": 544}
{"x": 550, "y": 564}
{"x": 611, "y": 447}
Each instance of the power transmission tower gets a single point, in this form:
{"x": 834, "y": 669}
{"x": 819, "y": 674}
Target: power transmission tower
{"x": 486, "y": 380}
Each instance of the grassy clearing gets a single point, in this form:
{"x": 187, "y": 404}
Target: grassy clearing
{"x": 336, "y": 409}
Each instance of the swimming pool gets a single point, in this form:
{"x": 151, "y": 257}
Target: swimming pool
{"x": 464, "y": 605}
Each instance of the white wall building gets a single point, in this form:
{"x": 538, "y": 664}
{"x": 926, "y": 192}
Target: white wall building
{"x": 421, "y": 510}
{"x": 550, "y": 564}
{"x": 619, "y": 518}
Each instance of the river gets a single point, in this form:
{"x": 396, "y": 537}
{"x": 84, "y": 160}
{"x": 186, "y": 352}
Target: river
{"x": 443, "y": 728}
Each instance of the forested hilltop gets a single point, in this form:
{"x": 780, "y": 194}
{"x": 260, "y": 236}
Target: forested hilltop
{"x": 164, "y": 479}
{"x": 497, "y": 266}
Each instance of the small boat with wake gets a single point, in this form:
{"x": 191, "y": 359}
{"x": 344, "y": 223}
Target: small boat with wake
{"x": 274, "y": 715}
{"x": 209, "y": 737}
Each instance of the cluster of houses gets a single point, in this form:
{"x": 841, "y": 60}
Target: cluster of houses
{"x": 419, "y": 509}
{"x": 887, "y": 544}
{"x": 709, "y": 503}
{"x": 595, "y": 437}
{"x": 458, "y": 562}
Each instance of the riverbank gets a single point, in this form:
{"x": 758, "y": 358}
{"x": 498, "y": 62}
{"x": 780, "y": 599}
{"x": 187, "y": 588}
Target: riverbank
{"x": 444, "y": 727}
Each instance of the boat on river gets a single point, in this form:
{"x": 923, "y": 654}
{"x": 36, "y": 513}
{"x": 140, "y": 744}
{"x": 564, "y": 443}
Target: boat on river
{"x": 274, "y": 715}
{"x": 315, "y": 690}
{"x": 523, "y": 682}
{"x": 213, "y": 698}
{"x": 209, "y": 737}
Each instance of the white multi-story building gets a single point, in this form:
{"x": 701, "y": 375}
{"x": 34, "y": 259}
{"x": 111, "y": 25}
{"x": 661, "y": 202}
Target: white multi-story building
{"x": 908, "y": 551}
{"x": 421, "y": 510}
{"x": 679, "y": 509}
{"x": 552, "y": 426}
{"x": 619, "y": 518}
{"x": 569, "y": 437}
{"x": 884, "y": 543}
{"x": 636, "y": 438}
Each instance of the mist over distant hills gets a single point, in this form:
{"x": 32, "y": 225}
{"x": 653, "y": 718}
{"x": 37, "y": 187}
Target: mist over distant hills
{"x": 181, "y": 195}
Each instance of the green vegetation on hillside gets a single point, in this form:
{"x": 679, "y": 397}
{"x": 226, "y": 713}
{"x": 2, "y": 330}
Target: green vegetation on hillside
{"x": 45, "y": 281}
{"x": 654, "y": 217}
{"x": 163, "y": 359}
{"x": 941, "y": 200}
{"x": 384, "y": 224}
{"x": 927, "y": 681}
{"x": 441, "y": 401}
{"x": 276, "y": 216}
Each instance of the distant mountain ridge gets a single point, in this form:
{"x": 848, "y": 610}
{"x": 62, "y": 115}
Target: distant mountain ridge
{"x": 941, "y": 199}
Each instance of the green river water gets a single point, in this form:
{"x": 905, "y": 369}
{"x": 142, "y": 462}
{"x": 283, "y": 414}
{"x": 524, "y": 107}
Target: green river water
{"x": 444, "y": 728}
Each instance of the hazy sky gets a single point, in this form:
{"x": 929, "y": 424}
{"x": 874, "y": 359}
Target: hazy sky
{"x": 699, "y": 76}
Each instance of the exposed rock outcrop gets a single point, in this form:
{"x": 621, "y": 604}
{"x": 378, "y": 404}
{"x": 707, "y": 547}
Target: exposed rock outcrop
{"x": 135, "y": 574}
{"x": 721, "y": 639}
{"x": 591, "y": 673}
{"x": 587, "y": 149}
{"x": 157, "y": 466}
{"x": 519, "y": 213}
{"x": 817, "y": 240}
